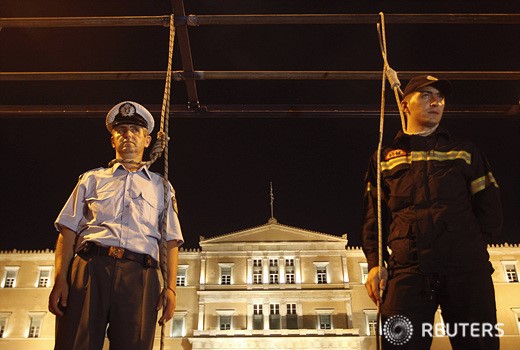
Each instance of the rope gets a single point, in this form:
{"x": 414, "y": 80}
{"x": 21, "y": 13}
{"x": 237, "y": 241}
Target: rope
{"x": 165, "y": 112}
{"x": 391, "y": 75}
{"x": 161, "y": 143}
{"x": 379, "y": 220}
{"x": 161, "y": 147}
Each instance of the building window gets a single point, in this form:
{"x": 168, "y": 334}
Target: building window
{"x": 44, "y": 279}
{"x": 321, "y": 272}
{"x": 273, "y": 271}
{"x": 258, "y": 317}
{"x": 325, "y": 321}
{"x": 10, "y": 274}
{"x": 510, "y": 271}
{"x": 225, "y": 318}
{"x": 274, "y": 316}
{"x": 289, "y": 271}
{"x": 182, "y": 272}
{"x": 292, "y": 317}
{"x": 36, "y": 324}
{"x": 226, "y": 273}
{"x": 224, "y": 322}
{"x": 257, "y": 271}
{"x": 371, "y": 321}
{"x": 178, "y": 324}
{"x": 3, "y": 323}
{"x": 364, "y": 271}
{"x": 10, "y": 279}
{"x": 325, "y": 318}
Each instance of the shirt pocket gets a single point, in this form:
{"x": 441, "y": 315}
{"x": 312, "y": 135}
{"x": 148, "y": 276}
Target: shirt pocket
{"x": 101, "y": 205}
{"x": 149, "y": 206}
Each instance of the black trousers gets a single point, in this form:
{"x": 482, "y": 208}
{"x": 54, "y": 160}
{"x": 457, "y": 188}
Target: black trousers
{"x": 467, "y": 303}
{"x": 117, "y": 293}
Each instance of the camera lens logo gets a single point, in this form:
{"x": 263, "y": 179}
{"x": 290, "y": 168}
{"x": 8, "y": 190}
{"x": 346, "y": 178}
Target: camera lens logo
{"x": 397, "y": 330}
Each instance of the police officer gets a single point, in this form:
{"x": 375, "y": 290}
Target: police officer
{"x": 108, "y": 246}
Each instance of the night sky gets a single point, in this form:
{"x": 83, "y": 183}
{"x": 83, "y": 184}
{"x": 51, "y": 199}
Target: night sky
{"x": 221, "y": 167}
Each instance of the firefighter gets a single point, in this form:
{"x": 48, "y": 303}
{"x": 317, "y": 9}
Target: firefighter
{"x": 440, "y": 206}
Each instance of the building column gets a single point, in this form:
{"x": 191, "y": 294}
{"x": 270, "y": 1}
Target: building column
{"x": 201, "y": 316}
{"x": 299, "y": 312}
{"x": 249, "y": 271}
{"x": 249, "y": 315}
{"x": 202, "y": 280}
{"x": 266, "y": 309}
{"x": 281, "y": 270}
{"x": 265, "y": 270}
{"x": 297, "y": 270}
{"x": 348, "y": 307}
{"x": 283, "y": 315}
{"x": 345, "y": 270}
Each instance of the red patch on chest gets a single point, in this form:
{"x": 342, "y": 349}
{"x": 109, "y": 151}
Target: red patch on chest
{"x": 395, "y": 153}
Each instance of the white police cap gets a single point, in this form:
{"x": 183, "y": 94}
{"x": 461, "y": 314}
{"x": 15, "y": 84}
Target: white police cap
{"x": 129, "y": 112}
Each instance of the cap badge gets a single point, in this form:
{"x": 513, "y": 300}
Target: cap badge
{"x": 429, "y": 77}
{"x": 127, "y": 110}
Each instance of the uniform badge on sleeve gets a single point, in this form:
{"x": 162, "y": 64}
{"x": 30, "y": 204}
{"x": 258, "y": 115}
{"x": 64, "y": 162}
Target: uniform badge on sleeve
{"x": 174, "y": 203}
{"x": 395, "y": 153}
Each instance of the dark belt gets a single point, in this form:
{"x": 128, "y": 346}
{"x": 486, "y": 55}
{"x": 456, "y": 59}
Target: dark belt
{"x": 118, "y": 253}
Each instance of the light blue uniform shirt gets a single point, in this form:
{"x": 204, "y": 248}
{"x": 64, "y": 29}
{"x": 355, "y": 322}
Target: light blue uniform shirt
{"x": 115, "y": 207}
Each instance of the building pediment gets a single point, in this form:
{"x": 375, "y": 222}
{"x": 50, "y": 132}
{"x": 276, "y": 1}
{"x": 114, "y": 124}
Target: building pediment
{"x": 273, "y": 232}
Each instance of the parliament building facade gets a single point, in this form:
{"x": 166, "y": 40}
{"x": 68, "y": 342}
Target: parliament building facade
{"x": 269, "y": 287}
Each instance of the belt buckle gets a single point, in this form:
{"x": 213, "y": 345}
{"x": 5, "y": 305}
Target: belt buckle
{"x": 116, "y": 252}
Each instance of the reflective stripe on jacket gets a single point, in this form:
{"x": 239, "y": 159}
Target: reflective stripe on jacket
{"x": 440, "y": 205}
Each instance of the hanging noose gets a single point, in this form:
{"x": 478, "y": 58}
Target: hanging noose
{"x": 391, "y": 75}
{"x": 165, "y": 113}
{"x": 161, "y": 147}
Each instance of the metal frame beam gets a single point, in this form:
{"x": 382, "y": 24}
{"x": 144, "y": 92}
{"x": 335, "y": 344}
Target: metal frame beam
{"x": 185, "y": 49}
{"x": 253, "y": 111}
{"x": 190, "y": 76}
{"x": 251, "y": 75}
{"x": 202, "y": 20}
{"x": 122, "y": 21}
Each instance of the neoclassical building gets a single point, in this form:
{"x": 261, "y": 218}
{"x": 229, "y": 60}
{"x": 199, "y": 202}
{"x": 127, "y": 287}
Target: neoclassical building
{"x": 269, "y": 287}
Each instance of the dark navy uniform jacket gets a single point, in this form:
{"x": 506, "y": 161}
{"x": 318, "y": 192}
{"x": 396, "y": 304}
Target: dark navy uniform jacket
{"x": 440, "y": 205}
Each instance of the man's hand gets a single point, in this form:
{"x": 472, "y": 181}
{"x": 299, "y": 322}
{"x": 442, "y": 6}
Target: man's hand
{"x": 170, "y": 305}
{"x": 58, "y": 297}
{"x": 63, "y": 255}
{"x": 375, "y": 286}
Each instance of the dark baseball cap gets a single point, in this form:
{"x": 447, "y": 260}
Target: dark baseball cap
{"x": 444, "y": 86}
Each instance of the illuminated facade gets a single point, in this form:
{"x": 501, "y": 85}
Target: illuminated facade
{"x": 268, "y": 287}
